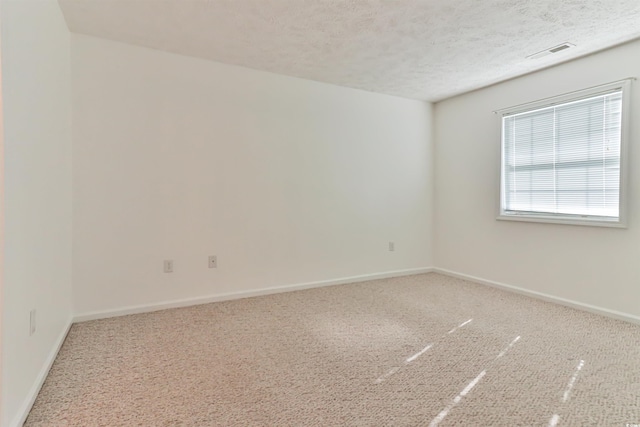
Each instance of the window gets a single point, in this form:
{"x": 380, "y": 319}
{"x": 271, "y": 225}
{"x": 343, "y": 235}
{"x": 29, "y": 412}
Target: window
{"x": 563, "y": 158}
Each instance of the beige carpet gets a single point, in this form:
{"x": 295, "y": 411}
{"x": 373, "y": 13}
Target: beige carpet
{"x": 413, "y": 351}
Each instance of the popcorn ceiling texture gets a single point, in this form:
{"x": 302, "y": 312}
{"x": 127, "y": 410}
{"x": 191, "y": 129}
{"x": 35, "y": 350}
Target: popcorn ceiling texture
{"x": 410, "y": 351}
{"x": 423, "y": 49}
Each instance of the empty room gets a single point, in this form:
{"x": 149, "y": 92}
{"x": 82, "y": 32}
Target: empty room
{"x": 320, "y": 213}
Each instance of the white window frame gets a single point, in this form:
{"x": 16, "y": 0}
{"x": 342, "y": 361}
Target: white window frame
{"x": 621, "y": 221}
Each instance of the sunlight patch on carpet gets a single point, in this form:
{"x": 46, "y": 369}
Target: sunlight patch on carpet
{"x": 456, "y": 400}
{"x": 418, "y": 354}
{"x": 572, "y": 381}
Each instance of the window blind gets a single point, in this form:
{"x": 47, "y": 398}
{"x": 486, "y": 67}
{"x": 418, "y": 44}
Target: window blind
{"x": 564, "y": 159}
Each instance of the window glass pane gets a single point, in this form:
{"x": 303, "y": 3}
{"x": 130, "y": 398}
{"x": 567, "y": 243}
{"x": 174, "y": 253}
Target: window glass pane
{"x": 564, "y": 159}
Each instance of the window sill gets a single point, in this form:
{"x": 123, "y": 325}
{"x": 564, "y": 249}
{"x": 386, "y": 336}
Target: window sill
{"x": 550, "y": 219}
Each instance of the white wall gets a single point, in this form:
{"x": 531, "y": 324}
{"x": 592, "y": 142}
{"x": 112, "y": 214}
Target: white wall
{"x": 590, "y": 265}
{"x": 37, "y": 204}
{"x": 287, "y": 181}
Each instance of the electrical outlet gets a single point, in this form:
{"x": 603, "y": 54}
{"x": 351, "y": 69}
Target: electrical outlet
{"x": 32, "y": 322}
{"x": 392, "y": 246}
{"x": 168, "y": 266}
{"x": 213, "y": 261}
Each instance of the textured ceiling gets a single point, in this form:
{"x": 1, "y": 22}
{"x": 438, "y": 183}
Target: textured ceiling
{"x": 424, "y": 49}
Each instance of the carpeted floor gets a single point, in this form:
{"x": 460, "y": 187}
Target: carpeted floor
{"x": 422, "y": 350}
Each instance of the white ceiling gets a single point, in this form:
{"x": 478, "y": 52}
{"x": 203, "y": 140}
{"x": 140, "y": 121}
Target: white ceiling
{"x": 424, "y": 49}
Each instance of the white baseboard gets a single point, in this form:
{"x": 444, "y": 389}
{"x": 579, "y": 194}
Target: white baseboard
{"x": 546, "y": 297}
{"x": 25, "y": 408}
{"x": 243, "y": 294}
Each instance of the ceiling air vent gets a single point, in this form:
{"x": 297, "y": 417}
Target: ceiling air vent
{"x": 555, "y": 49}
